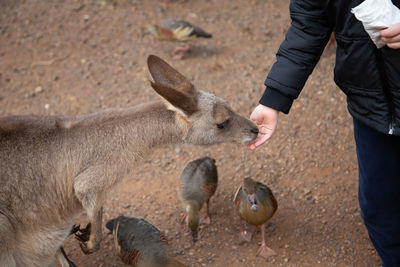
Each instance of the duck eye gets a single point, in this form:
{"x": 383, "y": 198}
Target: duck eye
{"x": 223, "y": 124}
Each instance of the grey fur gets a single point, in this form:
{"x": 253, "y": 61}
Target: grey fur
{"x": 54, "y": 168}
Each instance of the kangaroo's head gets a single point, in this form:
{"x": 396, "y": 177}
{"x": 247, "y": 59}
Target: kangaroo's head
{"x": 211, "y": 119}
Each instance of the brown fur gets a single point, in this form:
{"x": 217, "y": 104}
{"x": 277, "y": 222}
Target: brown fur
{"x": 54, "y": 168}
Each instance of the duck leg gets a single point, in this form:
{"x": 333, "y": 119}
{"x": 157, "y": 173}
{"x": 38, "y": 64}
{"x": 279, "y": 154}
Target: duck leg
{"x": 179, "y": 52}
{"x": 244, "y": 236}
{"x": 184, "y": 219}
{"x": 264, "y": 251}
{"x": 164, "y": 3}
{"x": 206, "y": 218}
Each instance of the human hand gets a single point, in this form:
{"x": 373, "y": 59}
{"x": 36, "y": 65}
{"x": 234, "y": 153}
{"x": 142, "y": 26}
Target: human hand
{"x": 266, "y": 119}
{"x": 391, "y": 36}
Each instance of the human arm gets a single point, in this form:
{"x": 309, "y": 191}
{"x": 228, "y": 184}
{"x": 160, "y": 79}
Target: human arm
{"x": 296, "y": 58}
{"x": 391, "y": 36}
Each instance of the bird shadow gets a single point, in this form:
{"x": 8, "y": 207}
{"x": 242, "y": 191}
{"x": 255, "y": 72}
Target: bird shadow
{"x": 200, "y": 51}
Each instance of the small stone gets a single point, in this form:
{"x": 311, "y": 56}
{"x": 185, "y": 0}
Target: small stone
{"x": 47, "y": 106}
{"x": 38, "y": 89}
{"x": 179, "y": 252}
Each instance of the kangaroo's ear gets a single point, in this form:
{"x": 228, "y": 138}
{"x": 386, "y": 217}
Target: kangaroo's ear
{"x": 172, "y": 85}
{"x": 178, "y": 99}
{"x": 164, "y": 74}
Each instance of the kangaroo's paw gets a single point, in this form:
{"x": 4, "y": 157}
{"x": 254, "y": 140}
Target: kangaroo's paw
{"x": 83, "y": 234}
{"x": 89, "y": 247}
{"x": 75, "y": 229}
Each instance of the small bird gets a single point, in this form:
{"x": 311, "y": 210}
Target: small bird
{"x": 255, "y": 204}
{"x": 139, "y": 243}
{"x": 200, "y": 181}
{"x": 176, "y": 30}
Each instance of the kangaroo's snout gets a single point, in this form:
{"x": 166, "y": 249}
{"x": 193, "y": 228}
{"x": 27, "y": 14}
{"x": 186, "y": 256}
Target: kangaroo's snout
{"x": 254, "y": 130}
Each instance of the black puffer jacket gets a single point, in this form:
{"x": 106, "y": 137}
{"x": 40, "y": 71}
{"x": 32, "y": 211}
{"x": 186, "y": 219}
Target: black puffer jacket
{"x": 370, "y": 77}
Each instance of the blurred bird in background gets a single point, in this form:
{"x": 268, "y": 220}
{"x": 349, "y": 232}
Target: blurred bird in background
{"x": 178, "y": 31}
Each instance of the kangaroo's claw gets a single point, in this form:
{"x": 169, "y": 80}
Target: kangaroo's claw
{"x": 75, "y": 229}
{"x": 88, "y": 247}
{"x": 82, "y": 234}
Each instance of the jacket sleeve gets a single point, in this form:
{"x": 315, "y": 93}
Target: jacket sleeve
{"x": 298, "y": 54}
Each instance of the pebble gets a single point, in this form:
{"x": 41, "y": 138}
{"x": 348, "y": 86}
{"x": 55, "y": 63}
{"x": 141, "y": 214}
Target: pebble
{"x": 126, "y": 206}
{"x": 38, "y": 89}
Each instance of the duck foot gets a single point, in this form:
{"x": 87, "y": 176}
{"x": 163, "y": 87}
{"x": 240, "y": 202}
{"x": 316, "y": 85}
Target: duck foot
{"x": 245, "y": 236}
{"x": 178, "y": 56}
{"x": 265, "y": 252}
{"x": 205, "y": 219}
{"x": 163, "y": 3}
{"x": 179, "y": 52}
{"x": 184, "y": 219}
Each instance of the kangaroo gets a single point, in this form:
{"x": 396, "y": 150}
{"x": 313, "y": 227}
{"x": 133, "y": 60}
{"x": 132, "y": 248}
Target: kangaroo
{"x": 54, "y": 168}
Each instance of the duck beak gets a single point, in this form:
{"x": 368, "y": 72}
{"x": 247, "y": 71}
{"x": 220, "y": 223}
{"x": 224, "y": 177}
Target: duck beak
{"x": 253, "y": 202}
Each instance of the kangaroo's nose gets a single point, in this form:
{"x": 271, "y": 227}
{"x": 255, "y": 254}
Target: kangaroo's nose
{"x": 254, "y": 130}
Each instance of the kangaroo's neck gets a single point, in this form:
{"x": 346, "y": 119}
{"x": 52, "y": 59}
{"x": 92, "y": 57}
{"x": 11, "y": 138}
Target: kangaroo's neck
{"x": 131, "y": 132}
{"x": 154, "y": 126}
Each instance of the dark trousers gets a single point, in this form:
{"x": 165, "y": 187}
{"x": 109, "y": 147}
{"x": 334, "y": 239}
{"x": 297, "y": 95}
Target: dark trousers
{"x": 379, "y": 190}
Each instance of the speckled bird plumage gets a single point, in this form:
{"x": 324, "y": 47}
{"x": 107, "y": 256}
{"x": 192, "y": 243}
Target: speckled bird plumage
{"x": 255, "y": 203}
{"x": 267, "y": 202}
{"x": 139, "y": 243}
{"x": 175, "y": 30}
{"x": 200, "y": 180}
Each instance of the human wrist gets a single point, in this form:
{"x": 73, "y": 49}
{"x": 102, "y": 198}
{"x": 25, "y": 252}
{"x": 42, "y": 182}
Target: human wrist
{"x": 276, "y": 100}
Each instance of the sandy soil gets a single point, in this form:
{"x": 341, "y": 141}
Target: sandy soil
{"x": 75, "y": 57}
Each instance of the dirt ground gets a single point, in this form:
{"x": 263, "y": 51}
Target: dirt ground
{"x": 75, "y": 57}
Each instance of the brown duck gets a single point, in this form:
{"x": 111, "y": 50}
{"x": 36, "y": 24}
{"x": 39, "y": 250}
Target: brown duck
{"x": 139, "y": 243}
{"x": 255, "y": 204}
{"x": 176, "y": 30}
{"x": 200, "y": 180}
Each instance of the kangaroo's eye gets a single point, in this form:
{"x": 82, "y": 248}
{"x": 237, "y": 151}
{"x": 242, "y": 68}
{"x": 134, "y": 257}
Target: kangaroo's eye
{"x": 223, "y": 124}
